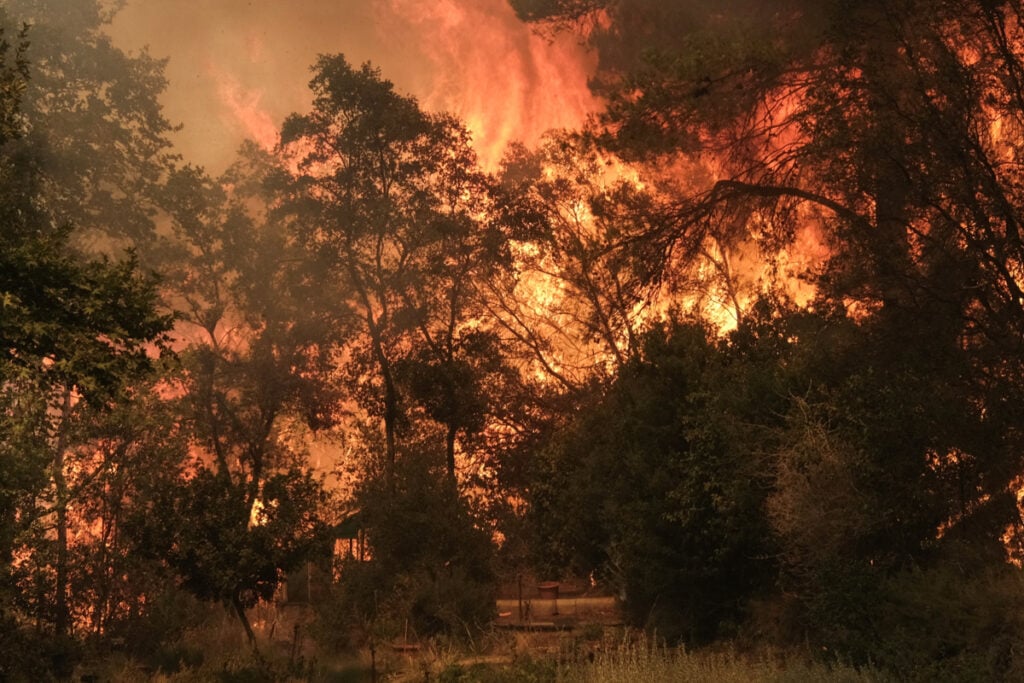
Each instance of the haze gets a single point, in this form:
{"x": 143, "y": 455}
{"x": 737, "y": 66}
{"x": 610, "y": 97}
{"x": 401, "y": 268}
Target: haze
{"x": 238, "y": 67}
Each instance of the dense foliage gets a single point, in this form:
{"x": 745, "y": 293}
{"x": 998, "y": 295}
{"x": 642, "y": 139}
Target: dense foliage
{"x": 746, "y": 350}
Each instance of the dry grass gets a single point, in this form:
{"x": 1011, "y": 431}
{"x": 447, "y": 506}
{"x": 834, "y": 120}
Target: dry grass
{"x": 642, "y": 662}
{"x": 593, "y": 653}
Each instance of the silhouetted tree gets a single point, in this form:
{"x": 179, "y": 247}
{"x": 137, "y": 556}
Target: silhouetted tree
{"x": 255, "y": 380}
{"x": 390, "y": 201}
{"x": 75, "y": 333}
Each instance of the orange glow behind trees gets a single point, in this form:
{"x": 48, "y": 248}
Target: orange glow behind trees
{"x": 740, "y": 332}
{"x": 474, "y": 59}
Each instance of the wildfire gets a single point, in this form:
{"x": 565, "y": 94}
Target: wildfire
{"x": 244, "y": 108}
{"x": 473, "y": 58}
{"x": 505, "y": 81}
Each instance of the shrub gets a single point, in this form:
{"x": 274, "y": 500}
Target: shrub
{"x": 431, "y": 568}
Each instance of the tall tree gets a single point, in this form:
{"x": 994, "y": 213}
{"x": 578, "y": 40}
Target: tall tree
{"x": 884, "y": 125}
{"x": 389, "y": 199}
{"x": 891, "y": 130}
{"x": 99, "y": 133}
{"x": 74, "y": 332}
{"x": 256, "y": 361}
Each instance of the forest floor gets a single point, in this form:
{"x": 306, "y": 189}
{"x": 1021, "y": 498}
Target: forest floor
{"x": 574, "y": 638}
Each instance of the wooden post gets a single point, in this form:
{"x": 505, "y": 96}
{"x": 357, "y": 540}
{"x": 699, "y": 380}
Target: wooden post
{"x": 520, "y": 575}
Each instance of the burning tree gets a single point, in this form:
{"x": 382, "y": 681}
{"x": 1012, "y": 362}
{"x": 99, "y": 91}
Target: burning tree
{"x": 892, "y": 131}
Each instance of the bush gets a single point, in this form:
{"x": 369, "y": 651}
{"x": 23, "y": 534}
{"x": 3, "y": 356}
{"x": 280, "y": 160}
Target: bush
{"x": 431, "y": 568}
{"x": 644, "y": 662}
{"x": 21, "y": 650}
{"x": 167, "y": 616}
{"x": 943, "y": 624}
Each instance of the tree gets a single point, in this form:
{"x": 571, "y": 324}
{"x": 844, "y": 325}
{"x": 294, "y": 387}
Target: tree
{"x": 83, "y": 144}
{"x": 580, "y": 291}
{"x": 110, "y": 453}
{"x": 883, "y": 127}
{"x": 658, "y": 488}
{"x": 390, "y": 201}
{"x": 221, "y": 549}
{"x": 248, "y": 506}
{"x": 75, "y": 333}
{"x": 98, "y": 132}
{"x": 430, "y": 568}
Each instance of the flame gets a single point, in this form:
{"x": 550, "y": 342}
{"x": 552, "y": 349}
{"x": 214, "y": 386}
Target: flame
{"x": 504, "y": 80}
{"x": 244, "y": 107}
{"x": 238, "y": 67}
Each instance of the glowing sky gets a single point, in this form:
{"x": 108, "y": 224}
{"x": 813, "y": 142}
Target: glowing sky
{"x": 238, "y": 67}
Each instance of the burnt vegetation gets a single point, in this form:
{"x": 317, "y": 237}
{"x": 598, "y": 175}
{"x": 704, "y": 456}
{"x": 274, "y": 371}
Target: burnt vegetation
{"x": 747, "y": 350}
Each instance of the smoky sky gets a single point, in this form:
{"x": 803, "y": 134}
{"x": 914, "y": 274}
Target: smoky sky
{"x": 238, "y": 67}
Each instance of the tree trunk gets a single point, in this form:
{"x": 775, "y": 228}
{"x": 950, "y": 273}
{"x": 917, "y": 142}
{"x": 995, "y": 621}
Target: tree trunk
{"x": 450, "y": 450}
{"x": 240, "y": 613}
{"x": 390, "y": 400}
{"x": 883, "y": 72}
{"x": 62, "y": 618}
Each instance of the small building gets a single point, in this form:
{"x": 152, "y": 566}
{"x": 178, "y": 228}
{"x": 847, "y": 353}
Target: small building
{"x": 310, "y": 583}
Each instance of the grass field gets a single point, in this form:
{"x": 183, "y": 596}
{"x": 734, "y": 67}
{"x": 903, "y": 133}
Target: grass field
{"x": 585, "y": 653}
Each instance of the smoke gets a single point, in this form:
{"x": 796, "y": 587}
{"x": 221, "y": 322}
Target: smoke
{"x": 238, "y": 67}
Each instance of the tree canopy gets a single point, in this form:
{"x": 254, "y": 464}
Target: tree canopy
{"x": 745, "y": 350}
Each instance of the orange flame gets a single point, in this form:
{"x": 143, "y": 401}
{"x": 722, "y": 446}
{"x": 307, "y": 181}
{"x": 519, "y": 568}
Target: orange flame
{"x": 504, "y": 80}
{"x": 238, "y": 67}
{"x": 245, "y": 108}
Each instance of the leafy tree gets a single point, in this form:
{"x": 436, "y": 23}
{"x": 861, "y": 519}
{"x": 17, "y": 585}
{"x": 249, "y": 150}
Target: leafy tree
{"x": 110, "y": 452}
{"x": 656, "y": 487}
{"x": 98, "y": 137}
{"x": 75, "y": 333}
{"x": 83, "y": 145}
{"x": 248, "y": 506}
{"x": 458, "y": 385}
{"x": 430, "y": 560}
{"x": 884, "y": 128}
{"x": 389, "y": 200}
{"x": 221, "y": 549}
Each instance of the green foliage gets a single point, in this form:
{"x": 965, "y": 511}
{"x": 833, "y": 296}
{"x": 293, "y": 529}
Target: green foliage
{"x": 204, "y": 529}
{"x": 153, "y": 635}
{"x": 91, "y": 320}
{"x": 253, "y": 382}
{"x": 114, "y": 452}
{"x": 653, "y": 486}
{"x": 949, "y": 623}
{"x": 891, "y": 451}
{"x": 23, "y": 652}
{"x": 430, "y": 568}
{"x": 946, "y": 624}
{"x": 853, "y": 465}
{"x": 77, "y": 334}
{"x": 98, "y": 139}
